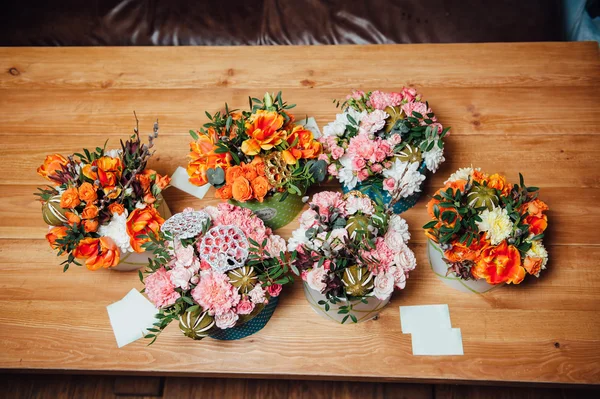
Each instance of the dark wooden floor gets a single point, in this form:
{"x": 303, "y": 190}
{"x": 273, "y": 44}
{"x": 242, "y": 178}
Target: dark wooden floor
{"x": 37, "y": 386}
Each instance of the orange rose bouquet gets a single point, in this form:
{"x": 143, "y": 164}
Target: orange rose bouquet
{"x": 102, "y": 205}
{"x": 259, "y": 159}
{"x": 486, "y": 230}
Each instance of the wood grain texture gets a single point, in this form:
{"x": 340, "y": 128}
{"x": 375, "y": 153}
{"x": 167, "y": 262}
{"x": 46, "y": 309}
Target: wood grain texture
{"x": 531, "y": 108}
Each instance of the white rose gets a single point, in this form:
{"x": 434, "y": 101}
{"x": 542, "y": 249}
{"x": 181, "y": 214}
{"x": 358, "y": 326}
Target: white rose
{"x": 399, "y": 277}
{"x": 384, "y": 286}
{"x": 314, "y": 279}
{"x": 180, "y": 277}
{"x": 226, "y": 320}
{"x": 405, "y": 259}
{"x": 257, "y": 294}
{"x": 394, "y": 241}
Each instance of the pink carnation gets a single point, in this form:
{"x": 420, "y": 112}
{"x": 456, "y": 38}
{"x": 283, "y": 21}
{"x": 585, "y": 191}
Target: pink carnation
{"x": 160, "y": 290}
{"x": 374, "y": 122}
{"x": 376, "y": 168}
{"x": 337, "y": 152}
{"x": 215, "y": 294}
{"x": 382, "y": 256}
{"x": 381, "y": 100}
{"x": 326, "y": 199}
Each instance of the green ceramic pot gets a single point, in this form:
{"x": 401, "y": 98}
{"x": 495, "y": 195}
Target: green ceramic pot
{"x": 274, "y": 212}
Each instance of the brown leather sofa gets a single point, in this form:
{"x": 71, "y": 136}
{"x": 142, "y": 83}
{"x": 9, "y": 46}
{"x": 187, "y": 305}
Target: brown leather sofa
{"x": 269, "y": 22}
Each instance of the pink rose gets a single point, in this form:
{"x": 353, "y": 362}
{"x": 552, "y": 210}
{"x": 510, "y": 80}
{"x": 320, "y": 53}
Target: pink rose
{"x": 332, "y": 170}
{"x": 327, "y": 265}
{"x": 380, "y": 154}
{"x": 337, "y": 152}
{"x": 389, "y": 184}
{"x": 440, "y": 128}
{"x": 358, "y": 163}
{"x": 245, "y": 306}
{"x": 384, "y": 286}
{"x": 408, "y": 94}
{"x": 180, "y": 277}
{"x": 395, "y": 139}
{"x": 226, "y": 320}
{"x": 363, "y": 174}
{"x": 323, "y": 157}
{"x": 274, "y": 289}
{"x": 160, "y": 290}
{"x": 314, "y": 279}
{"x": 376, "y": 168}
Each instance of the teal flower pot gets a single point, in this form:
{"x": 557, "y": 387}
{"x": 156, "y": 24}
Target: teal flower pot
{"x": 250, "y": 327}
{"x": 272, "y": 211}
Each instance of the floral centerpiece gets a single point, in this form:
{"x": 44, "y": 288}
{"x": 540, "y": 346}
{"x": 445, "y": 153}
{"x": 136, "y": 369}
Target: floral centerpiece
{"x": 101, "y": 204}
{"x": 259, "y": 159}
{"x": 218, "y": 271}
{"x": 486, "y": 231}
{"x": 351, "y": 254}
{"x": 383, "y": 143}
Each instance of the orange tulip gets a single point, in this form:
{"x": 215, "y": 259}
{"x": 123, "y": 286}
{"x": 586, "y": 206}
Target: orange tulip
{"x": 97, "y": 252}
{"x": 143, "y": 222}
{"x": 459, "y": 251}
{"x": 87, "y": 192}
{"x": 305, "y": 144}
{"x": 241, "y": 189}
{"x": 69, "y": 199}
{"x": 537, "y": 225}
{"x": 535, "y": 207}
{"x": 162, "y": 182}
{"x": 203, "y": 157}
{"x": 56, "y": 233}
{"x": 109, "y": 171}
{"x": 260, "y": 187}
{"x": 263, "y": 130}
{"x": 51, "y": 165}
{"x": 499, "y": 264}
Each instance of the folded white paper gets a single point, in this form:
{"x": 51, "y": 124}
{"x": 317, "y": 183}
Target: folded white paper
{"x": 424, "y": 318}
{"x": 437, "y": 342}
{"x": 131, "y": 317}
{"x": 180, "y": 179}
{"x": 310, "y": 124}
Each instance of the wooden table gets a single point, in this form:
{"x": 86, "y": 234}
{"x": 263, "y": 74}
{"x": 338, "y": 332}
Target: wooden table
{"x": 531, "y": 108}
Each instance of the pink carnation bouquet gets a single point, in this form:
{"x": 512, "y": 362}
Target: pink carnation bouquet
{"x": 351, "y": 254}
{"x": 215, "y": 270}
{"x": 383, "y": 143}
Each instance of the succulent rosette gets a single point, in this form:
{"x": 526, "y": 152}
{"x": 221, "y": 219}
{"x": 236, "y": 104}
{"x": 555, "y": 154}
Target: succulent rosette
{"x": 218, "y": 271}
{"x": 101, "y": 205}
{"x": 487, "y": 229}
{"x": 260, "y": 159}
{"x": 351, "y": 254}
{"x": 383, "y": 143}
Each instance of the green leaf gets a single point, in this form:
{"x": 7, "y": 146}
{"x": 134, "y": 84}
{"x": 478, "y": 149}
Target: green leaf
{"x": 194, "y": 135}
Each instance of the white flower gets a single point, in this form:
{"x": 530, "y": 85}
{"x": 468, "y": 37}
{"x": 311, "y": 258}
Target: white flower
{"x": 140, "y": 205}
{"x": 496, "y": 223}
{"x": 356, "y": 115}
{"x": 297, "y": 239}
{"x": 461, "y": 174}
{"x": 308, "y": 219}
{"x": 400, "y": 226}
{"x": 334, "y": 240}
{"x": 394, "y": 240}
{"x": 357, "y": 204}
{"x": 335, "y": 128}
{"x": 538, "y": 250}
{"x": 384, "y": 285}
{"x": 346, "y": 175}
{"x": 407, "y": 176}
{"x": 181, "y": 276}
{"x": 433, "y": 158}
{"x": 128, "y": 191}
{"x": 257, "y": 294}
{"x": 405, "y": 259}
{"x": 314, "y": 278}
{"x": 399, "y": 276}
{"x": 116, "y": 229}
{"x": 226, "y": 320}
{"x": 114, "y": 153}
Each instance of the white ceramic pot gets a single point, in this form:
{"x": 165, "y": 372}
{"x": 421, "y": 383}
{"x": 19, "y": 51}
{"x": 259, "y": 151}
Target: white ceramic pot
{"x": 362, "y": 311}
{"x": 440, "y": 268}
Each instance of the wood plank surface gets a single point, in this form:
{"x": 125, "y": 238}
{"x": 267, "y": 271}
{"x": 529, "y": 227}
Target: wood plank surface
{"x": 531, "y": 108}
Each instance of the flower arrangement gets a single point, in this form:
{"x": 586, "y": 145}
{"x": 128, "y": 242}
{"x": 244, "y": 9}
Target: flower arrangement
{"x": 101, "y": 204}
{"x": 487, "y": 228}
{"x": 254, "y": 155}
{"x": 350, "y": 253}
{"x": 383, "y": 143}
{"x": 215, "y": 270}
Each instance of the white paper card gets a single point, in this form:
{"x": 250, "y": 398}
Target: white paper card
{"x": 437, "y": 343}
{"x": 310, "y": 124}
{"x": 131, "y": 317}
{"x": 424, "y": 318}
{"x": 180, "y": 179}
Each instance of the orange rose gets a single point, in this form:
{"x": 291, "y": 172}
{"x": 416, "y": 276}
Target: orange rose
{"x": 51, "y": 165}
{"x": 224, "y": 192}
{"x": 203, "y": 157}
{"x": 233, "y": 173}
{"x": 90, "y": 225}
{"x": 145, "y": 180}
{"x": 143, "y": 222}
{"x": 240, "y": 189}
{"x": 117, "y": 208}
{"x": 90, "y": 212}
{"x": 259, "y": 165}
{"x": 263, "y": 130}
{"x": 249, "y": 172}
{"x": 69, "y": 199}
{"x": 72, "y": 218}
{"x": 56, "y": 233}
{"x": 305, "y": 147}
{"x": 533, "y": 265}
{"x": 87, "y": 192}
{"x": 260, "y": 186}
{"x": 109, "y": 171}
{"x": 499, "y": 182}
{"x": 97, "y": 252}
{"x": 500, "y": 264}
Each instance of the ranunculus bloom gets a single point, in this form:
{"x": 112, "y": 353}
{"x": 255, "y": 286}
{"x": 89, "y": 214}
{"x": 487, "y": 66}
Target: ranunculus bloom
{"x": 499, "y": 182}
{"x": 260, "y": 187}
{"x": 241, "y": 190}
{"x": 499, "y": 264}
{"x": 259, "y": 165}
{"x": 203, "y": 157}
{"x": 69, "y": 199}
{"x": 51, "y": 165}
{"x": 117, "y": 208}
{"x": 249, "y": 172}
{"x": 143, "y": 222}
{"x": 87, "y": 192}
{"x": 160, "y": 290}
{"x": 263, "y": 131}
{"x": 54, "y": 234}
{"x": 98, "y": 252}
{"x": 233, "y": 173}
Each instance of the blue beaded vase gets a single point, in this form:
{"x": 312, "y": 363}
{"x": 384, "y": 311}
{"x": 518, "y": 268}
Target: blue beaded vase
{"x": 250, "y": 327}
{"x": 378, "y": 195}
